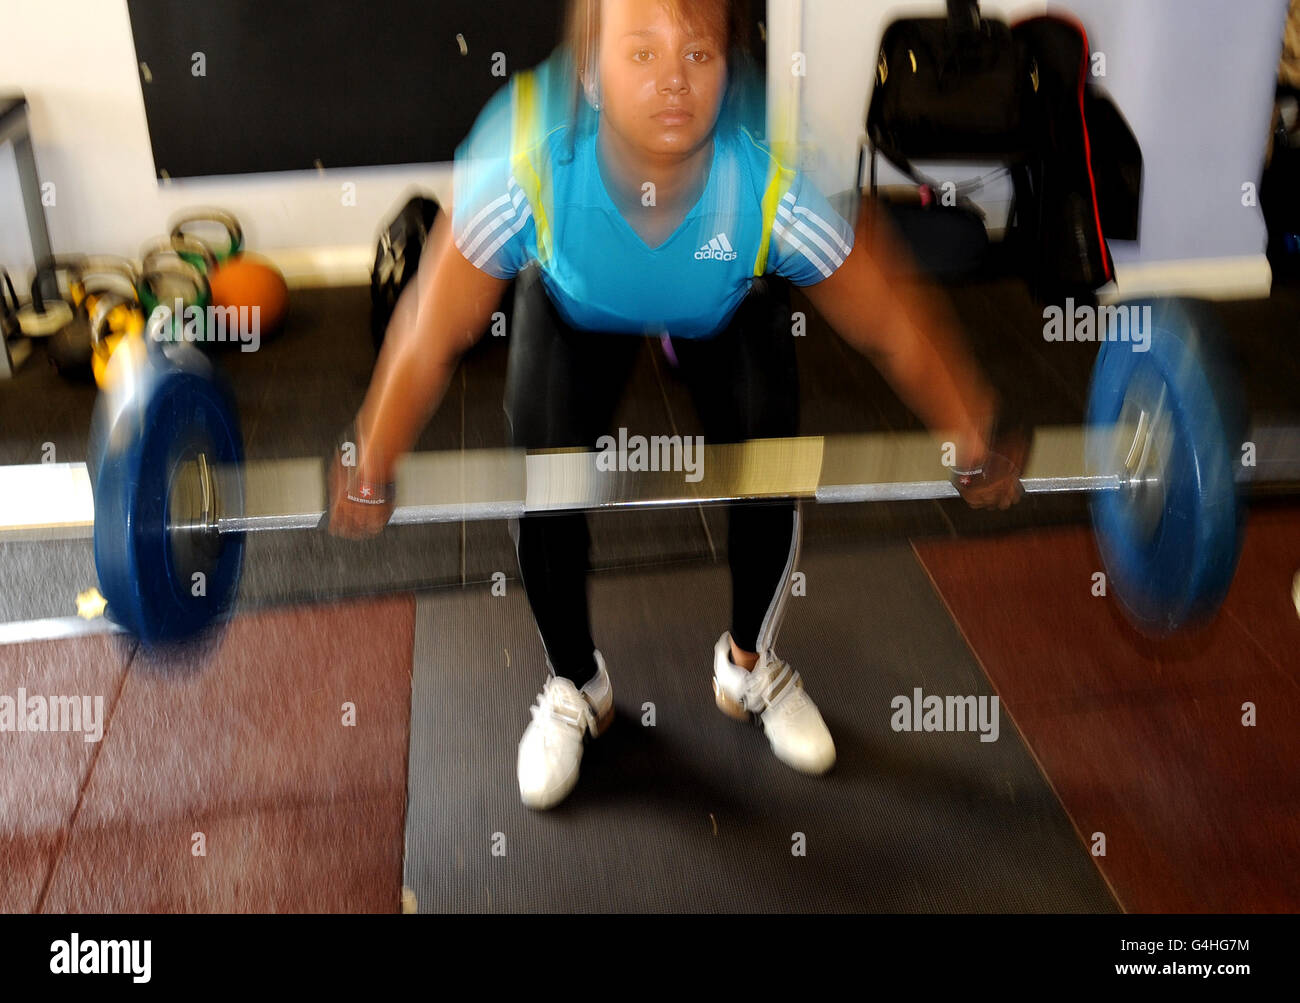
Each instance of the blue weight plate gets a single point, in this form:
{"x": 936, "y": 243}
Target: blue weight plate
{"x": 143, "y": 434}
{"x": 1170, "y": 565}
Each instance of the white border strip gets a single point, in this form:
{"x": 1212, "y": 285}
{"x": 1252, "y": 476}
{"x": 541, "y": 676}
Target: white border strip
{"x": 1247, "y": 277}
{"x": 1243, "y": 277}
{"x": 320, "y": 267}
{"x": 55, "y": 629}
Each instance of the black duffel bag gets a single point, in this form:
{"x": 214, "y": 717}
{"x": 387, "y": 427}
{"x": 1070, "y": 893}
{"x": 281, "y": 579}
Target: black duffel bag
{"x": 949, "y": 87}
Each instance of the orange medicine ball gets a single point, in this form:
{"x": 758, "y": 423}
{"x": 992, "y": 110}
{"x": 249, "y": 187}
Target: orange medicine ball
{"x": 251, "y": 281}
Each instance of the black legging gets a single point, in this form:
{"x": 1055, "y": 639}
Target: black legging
{"x": 562, "y": 388}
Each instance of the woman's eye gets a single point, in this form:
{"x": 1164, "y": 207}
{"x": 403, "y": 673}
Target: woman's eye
{"x": 698, "y": 56}
{"x": 643, "y": 55}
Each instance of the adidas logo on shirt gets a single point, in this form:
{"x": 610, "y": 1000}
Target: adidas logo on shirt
{"x": 717, "y": 249}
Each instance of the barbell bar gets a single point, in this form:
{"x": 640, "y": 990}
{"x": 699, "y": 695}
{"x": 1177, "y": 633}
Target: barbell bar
{"x": 43, "y": 501}
{"x": 54, "y": 500}
{"x": 173, "y": 499}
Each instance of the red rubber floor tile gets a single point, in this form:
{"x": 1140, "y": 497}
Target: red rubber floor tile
{"x": 256, "y": 718}
{"x": 243, "y": 739}
{"x": 1142, "y": 740}
{"x": 24, "y": 866}
{"x": 339, "y": 857}
{"x": 42, "y": 772}
{"x": 1198, "y": 812}
{"x": 1260, "y": 600}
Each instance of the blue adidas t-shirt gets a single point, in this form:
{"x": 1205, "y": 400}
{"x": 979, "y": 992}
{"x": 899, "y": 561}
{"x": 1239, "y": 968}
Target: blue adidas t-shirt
{"x": 525, "y": 192}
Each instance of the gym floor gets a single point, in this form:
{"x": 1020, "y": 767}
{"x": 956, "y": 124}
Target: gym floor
{"x": 1107, "y": 739}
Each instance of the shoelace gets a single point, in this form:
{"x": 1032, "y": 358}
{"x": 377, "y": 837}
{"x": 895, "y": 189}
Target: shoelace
{"x": 553, "y": 703}
{"x": 777, "y": 684}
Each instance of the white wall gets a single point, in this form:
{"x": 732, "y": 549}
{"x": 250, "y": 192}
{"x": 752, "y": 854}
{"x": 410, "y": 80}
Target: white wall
{"x": 1195, "y": 79}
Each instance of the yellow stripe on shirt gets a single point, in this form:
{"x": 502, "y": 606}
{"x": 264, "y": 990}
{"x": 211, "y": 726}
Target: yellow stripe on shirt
{"x": 525, "y": 152}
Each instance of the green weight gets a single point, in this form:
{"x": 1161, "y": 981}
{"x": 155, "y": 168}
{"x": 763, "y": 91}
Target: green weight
{"x": 234, "y": 235}
{"x": 165, "y": 277}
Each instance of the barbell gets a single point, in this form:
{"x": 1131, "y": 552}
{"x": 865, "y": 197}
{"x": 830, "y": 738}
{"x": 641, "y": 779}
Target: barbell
{"x": 169, "y": 499}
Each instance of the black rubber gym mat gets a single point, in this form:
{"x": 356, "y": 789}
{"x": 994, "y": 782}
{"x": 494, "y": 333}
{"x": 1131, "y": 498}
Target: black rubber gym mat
{"x": 695, "y": 814}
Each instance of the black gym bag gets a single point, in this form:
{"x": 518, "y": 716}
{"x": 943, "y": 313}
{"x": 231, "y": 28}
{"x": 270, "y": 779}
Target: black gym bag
{"x": 1116, "y": 160}
{"x": 1059, "y": 213}
{"x": 970, "y": 88}
{"x": 949, "y": 87}
{"x": 397, "y": 260}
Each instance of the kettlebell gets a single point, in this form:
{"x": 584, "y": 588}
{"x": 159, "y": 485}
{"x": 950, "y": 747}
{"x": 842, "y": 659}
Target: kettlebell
{"x": 234, "y": 235}
{"x": 72, "y": 350}
{"x": 12, "y": 340}
{"x": 50, "y": 308}
{"x": 166, "y": 275}
{"x": 9, "y": 306}
{"x": 242, "y": 282}
{"x": 113, "y": 319}
{"x": 68, "y": 347}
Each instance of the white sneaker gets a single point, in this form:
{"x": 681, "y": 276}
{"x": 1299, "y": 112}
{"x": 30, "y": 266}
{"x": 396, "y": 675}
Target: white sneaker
{"x": 551, "y": 749}
{"x": 775, "y": 693}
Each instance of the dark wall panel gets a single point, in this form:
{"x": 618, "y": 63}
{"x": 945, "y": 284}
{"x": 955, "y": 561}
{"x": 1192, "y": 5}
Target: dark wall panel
{"x": 346, "y": 83}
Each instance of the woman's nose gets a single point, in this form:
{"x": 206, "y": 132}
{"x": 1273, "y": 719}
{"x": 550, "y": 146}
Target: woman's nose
{"x": 672, "y": 75}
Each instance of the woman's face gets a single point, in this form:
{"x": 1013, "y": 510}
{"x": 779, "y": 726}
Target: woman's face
{"x": 661, "y": 81}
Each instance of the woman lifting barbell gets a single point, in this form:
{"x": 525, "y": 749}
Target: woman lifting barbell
{"x": 619, "y": 183}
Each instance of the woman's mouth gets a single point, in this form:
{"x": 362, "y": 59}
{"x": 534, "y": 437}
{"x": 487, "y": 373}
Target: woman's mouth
{"x": 673, "y": 116}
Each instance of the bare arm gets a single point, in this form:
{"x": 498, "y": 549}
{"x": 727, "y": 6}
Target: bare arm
{"x": 439, "y": 316}
{"x": 909, "y": 334}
